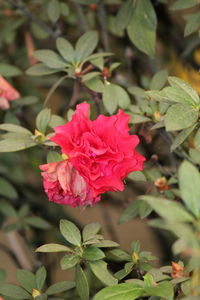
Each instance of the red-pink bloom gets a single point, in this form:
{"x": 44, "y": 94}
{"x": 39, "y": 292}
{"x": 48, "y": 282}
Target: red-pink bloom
{"x": 64, "y": 185}
{"x": 7, "y": 93}
{"x": 102, "y": 151}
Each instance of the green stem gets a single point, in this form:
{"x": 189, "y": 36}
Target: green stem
{"x": 53, "y": 88}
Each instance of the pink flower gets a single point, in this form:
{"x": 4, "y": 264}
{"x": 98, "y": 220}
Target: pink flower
{"x": 102, "y": 151}
{"x": 64, "y": 185}
{"x": 7, "y": 93}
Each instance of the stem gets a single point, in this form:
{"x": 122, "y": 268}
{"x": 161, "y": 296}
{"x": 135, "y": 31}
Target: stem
{"x": 103, "y": 22}
{"x": 83, "y": 22}
{"x": 17, "y": 4}
{"x": 53, "y": 88}
{"x": 75, "y": 93}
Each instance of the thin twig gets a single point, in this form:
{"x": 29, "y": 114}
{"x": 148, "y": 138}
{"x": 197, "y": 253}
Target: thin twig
{"x": 75, "y": 93}
{"x": 53, "y": 88}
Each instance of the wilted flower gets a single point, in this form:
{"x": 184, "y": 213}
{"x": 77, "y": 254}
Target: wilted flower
{"x": 102, "y": 152}
{"x": 64, "y": 185}
{"x": 7, "y": 93}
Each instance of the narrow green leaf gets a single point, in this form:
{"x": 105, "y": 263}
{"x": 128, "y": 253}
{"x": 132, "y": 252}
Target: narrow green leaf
{"x": 90, "y": 230}
{"x": 70, "y": 232}
{"x": 124, "y": 15}
{"x": 7, "y": 190}
{"x": 168, "y": 209}
{"x": 65, "y": 49}
{"x": 86, "y": 45}
{"x": 40, "y": 278}
{"x": 26, "y": 279}
{"x": 82, "y": 285}
{"x": 43, "y": 119}
{"x": 159, "y": 80}
{"x": 53, "y": 10}
{"x": 197, "y": 140}
{"x": 6, "y": 208}
{"x": 189, "y": 182}
{"x": 15, "y": 291}
{"x": 142, "y": 27}
{"x": 12, "y": 145}
{"x": 56, "y": 121}
{"x": 14, "y": 128}
{"x": 53, "y": 156}
{"x": 109, "y": 100}
{"x": 50, "y": 58}
{"x": 53, "y": 248}
{"x": 92, "y": 253}
{"x": 183, "y": 4}
{"x": 105, "y": 244}
{"x": 2, "y": 275}
{"x": 40, "y": 69}
{"x": 180, "y": 116}
{"x": 9, "y": 70}
{"x": 118, "y": 255}
{"x": 37, "y": 222}
{"x": 123, "y": 291}
{"x": 69, "y": 261}
{"x": 164, "y": 289}
{"x": 179, "y": 83}
{"x": 136, "y": 176}
{"x": 99, "y": 268}
{"x": 181, "y": 137}
{"x": 192, "y": 24}
{"x": 60, "y": 287}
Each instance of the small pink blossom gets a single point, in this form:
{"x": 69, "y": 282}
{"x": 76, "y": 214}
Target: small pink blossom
{"x": 64, "y": 185}
{"x": 102, "y": 151}
{"x": 7, "y": 93}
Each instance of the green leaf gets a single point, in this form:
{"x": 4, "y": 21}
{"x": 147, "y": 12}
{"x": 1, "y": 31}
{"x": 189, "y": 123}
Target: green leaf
{"x": 137, "y": 91}
{"x": 86, "y": 45}
{"x": 50, "y": 58}
{"x": 40, "y": 70}
{"x": 82, "y": 285}
{"x": 40, "y": 278}
{"x": 7, "y": 190}
{"x": 6, "y": 208}
{"x": 189, "y": 182}
{"x": 43, "y": 119}
{"x": 123, "y": 291}
{"x": 90, "y": 230}
{"x": 26, "y": 101}
{"x": 168, "y": 209}
{"x": 14, "y": 128}
{"x": 12, "y": 145}
{"x": 53, "y": 248}
{"x": 192, "y": 24}
{"x": 41, "y": 297}
{"x": 60, "y": 287}
{"x": 142, "y": 28}
{"x": 181, "y": 137}
{"x": 130, "y": 212}
{"x": 56, "y": 121}
{"x": 95, "y": 84}
{"x": 180, "y": 116}
{"x": 37, "y": 222}
{"x": 136, "y": 176}
{"x": 99, "y": 268}
{"x": 163, "y": 289}
{"x": 92, "y": 253}
{"x": 109, "y": 100}
{"x": 53, "y": 156}
{"x": 9, "y": 70}
{"x": 121, "y": 96}
{"x": 15, "y": 291}
{"x": 183, "y": 4}
{"x": 86, "y": 2}
{"x": 53, "y": 10}
{"x": 69, "y": 261}
{"x": 105, "y": 244}
{"x": 189, "y": 91}
{"x": 159, "y": 80}
{"x": 70, "y": 232}
{"x": 118, "y": 255}
{"x": 26, "y": 279}
{"x": 65, "y": 49}
{"x": 124, "y": 15}
{"x": 197, "y": 140}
